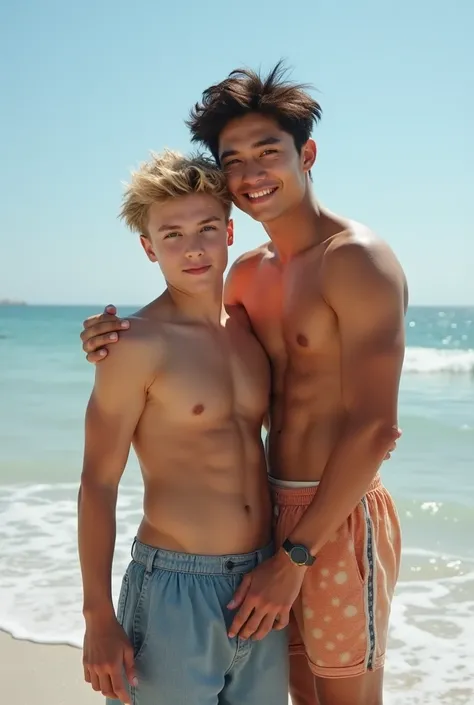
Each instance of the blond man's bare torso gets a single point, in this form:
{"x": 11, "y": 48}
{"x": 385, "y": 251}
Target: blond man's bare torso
{"x": 198, "y": 394}
{"x": 289, "y": 307}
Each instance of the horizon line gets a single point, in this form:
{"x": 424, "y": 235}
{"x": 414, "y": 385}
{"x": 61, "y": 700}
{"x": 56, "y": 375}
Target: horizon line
{"x": 20, "y": 303}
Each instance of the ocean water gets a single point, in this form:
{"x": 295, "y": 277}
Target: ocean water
{"x": 44, "y": 386}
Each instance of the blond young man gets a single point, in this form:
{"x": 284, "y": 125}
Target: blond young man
{"x": 189, "y": 389}
{"x": 326, "y": 298}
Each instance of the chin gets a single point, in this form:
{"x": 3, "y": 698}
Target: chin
{"x": 265, "y": 215}
{"x": 209, "y": 280}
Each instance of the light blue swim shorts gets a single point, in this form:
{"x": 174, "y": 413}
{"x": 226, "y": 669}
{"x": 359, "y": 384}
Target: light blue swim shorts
{"x": 173, "y": 607}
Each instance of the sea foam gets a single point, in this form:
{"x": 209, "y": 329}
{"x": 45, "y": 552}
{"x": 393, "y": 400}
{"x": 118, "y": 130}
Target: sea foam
{"x": 431, "y": 651}
{"x": 434, "y": 360}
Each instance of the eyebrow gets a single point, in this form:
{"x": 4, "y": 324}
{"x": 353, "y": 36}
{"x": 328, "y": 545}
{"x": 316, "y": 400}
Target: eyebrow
{"x": 211, "y": 219}
{"x": 261, "y": 143}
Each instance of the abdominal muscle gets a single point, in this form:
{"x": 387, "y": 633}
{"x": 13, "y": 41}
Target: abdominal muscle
{"x": 306, "y": 423}
{"x": 205, "y": 493}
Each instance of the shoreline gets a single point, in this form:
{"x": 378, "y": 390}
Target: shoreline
{"x": 51, "y": 674}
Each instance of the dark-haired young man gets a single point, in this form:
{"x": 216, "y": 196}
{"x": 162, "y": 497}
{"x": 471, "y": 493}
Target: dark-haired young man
{"x": 327, "y": 299}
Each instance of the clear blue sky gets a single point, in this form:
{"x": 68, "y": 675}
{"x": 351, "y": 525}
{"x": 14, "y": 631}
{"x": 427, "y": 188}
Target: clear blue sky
{"x": 89, "y": 88}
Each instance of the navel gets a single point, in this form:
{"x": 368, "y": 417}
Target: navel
{"x": 302, "y": 340}
{"x": 198, "y": 409}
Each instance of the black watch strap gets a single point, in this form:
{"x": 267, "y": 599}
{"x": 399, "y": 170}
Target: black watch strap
{"x": 298, "y": 553}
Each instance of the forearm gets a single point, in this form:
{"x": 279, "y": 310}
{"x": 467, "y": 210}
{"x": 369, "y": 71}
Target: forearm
{"x": 97, "y": 531}
{"x": 346, "y": 478}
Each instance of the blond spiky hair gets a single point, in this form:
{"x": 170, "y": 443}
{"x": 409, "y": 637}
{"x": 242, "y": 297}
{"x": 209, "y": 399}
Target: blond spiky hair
{"x": 169, "y": 175}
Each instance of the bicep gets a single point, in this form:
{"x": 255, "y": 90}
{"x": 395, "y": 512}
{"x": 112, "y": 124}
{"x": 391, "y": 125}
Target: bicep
{"x": 113, "y": 413}
{"x": 371, "y": 364}
{"x": 370, "y": 306}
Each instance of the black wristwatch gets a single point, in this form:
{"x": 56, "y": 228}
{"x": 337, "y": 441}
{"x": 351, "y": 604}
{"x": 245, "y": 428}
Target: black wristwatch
{"x": 298, "y": 553}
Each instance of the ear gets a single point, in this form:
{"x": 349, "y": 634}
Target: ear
{"x": 230, "y": 232}
{"x": 148, "y": 247}
{"x": 308, "y": 155}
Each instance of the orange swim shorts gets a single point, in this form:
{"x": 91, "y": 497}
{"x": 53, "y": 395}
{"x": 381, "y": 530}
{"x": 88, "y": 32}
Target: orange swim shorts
{"x": 340, "y": 618}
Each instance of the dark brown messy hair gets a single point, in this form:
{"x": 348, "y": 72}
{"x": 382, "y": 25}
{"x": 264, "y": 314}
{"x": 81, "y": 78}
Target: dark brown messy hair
{"x": 244, "y": 91}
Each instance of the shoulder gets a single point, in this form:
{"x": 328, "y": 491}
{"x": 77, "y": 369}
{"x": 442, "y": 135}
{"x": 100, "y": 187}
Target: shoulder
{"x": 238, "y": 316}
{"x": 137, "y": 354}
{"x": 253, "y": 257}
{"x": 242, "y": 270}
{"x": 358, "y": 263}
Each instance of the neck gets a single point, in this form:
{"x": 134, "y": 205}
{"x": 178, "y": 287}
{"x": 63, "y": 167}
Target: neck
{"x": 298, "y": 229}
{"x": 204, "y": 307}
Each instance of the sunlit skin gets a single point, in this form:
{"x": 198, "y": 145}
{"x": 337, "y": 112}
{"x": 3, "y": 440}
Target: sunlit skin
{"x": 335, "y": 350}
{"x": 189, "y": 369}
{"x": 326, "y": 299}
{"x": 256, "y": 155}
{"x": 185, "y": 237}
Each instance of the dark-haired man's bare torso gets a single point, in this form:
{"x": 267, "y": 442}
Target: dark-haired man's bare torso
{"x": 299, "y": 331}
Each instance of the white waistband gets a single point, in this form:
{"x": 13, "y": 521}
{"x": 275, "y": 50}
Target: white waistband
{"x": 290, "y": 484}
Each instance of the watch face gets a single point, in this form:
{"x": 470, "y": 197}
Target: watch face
{"x": 299, "y": 555}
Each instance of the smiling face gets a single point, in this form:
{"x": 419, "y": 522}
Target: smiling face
{"x": 265, "y": 174}
{"x": 188, "y": 236}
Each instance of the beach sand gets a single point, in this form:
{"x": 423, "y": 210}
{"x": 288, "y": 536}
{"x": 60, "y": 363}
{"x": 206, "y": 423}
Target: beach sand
{"x": 42, "y": 674}
{"x": 45, "y": 674}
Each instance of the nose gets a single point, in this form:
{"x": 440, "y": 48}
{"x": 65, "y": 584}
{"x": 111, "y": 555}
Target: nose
{"x": 195, "y": 248}
{"x": 253, "y": 172}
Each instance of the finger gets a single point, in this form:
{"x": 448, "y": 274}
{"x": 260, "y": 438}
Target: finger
{"x": 106, "y": 686}
{"x": 102, "y": 327}
{"x": 96, "y": 320}
{"x": 99, "y": 341}
{"x": 282, "y": 621}
{"x": 240, "y": 618}
{"x": 119, "y": 687}
{"x": 129, "y": 664}
{"x": 109, "y": 313}
{"x": 97, "y": 356}
{"x": 87, "y": 676}
{"x": 94, "y": 680}
{"x": 266, "y": 625}
{"x": 253, "y": 623}
{"x": 241, "y": 593}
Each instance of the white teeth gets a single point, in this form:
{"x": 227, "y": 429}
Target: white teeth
{"x": 259, "y": 194}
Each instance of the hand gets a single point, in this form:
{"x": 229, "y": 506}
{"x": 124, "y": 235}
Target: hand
{"x": 265, "y": 597}
{"x": 99, "y": 331}
{"x": 107, "y": 651}
{"x": 394, "y": 445}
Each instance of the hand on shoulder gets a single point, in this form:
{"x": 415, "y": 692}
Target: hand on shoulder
{"x": 101, "y": 330}
{"x": 135, "y": 362}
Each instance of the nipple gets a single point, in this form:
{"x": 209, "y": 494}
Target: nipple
{"x": 302, "y": 340}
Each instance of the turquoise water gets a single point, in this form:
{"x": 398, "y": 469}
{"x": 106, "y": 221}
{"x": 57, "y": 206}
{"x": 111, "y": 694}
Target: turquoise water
{"x": 44, "y": 386}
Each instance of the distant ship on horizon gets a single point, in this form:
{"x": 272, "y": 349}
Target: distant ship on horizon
{"x": 12, "y": 302}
